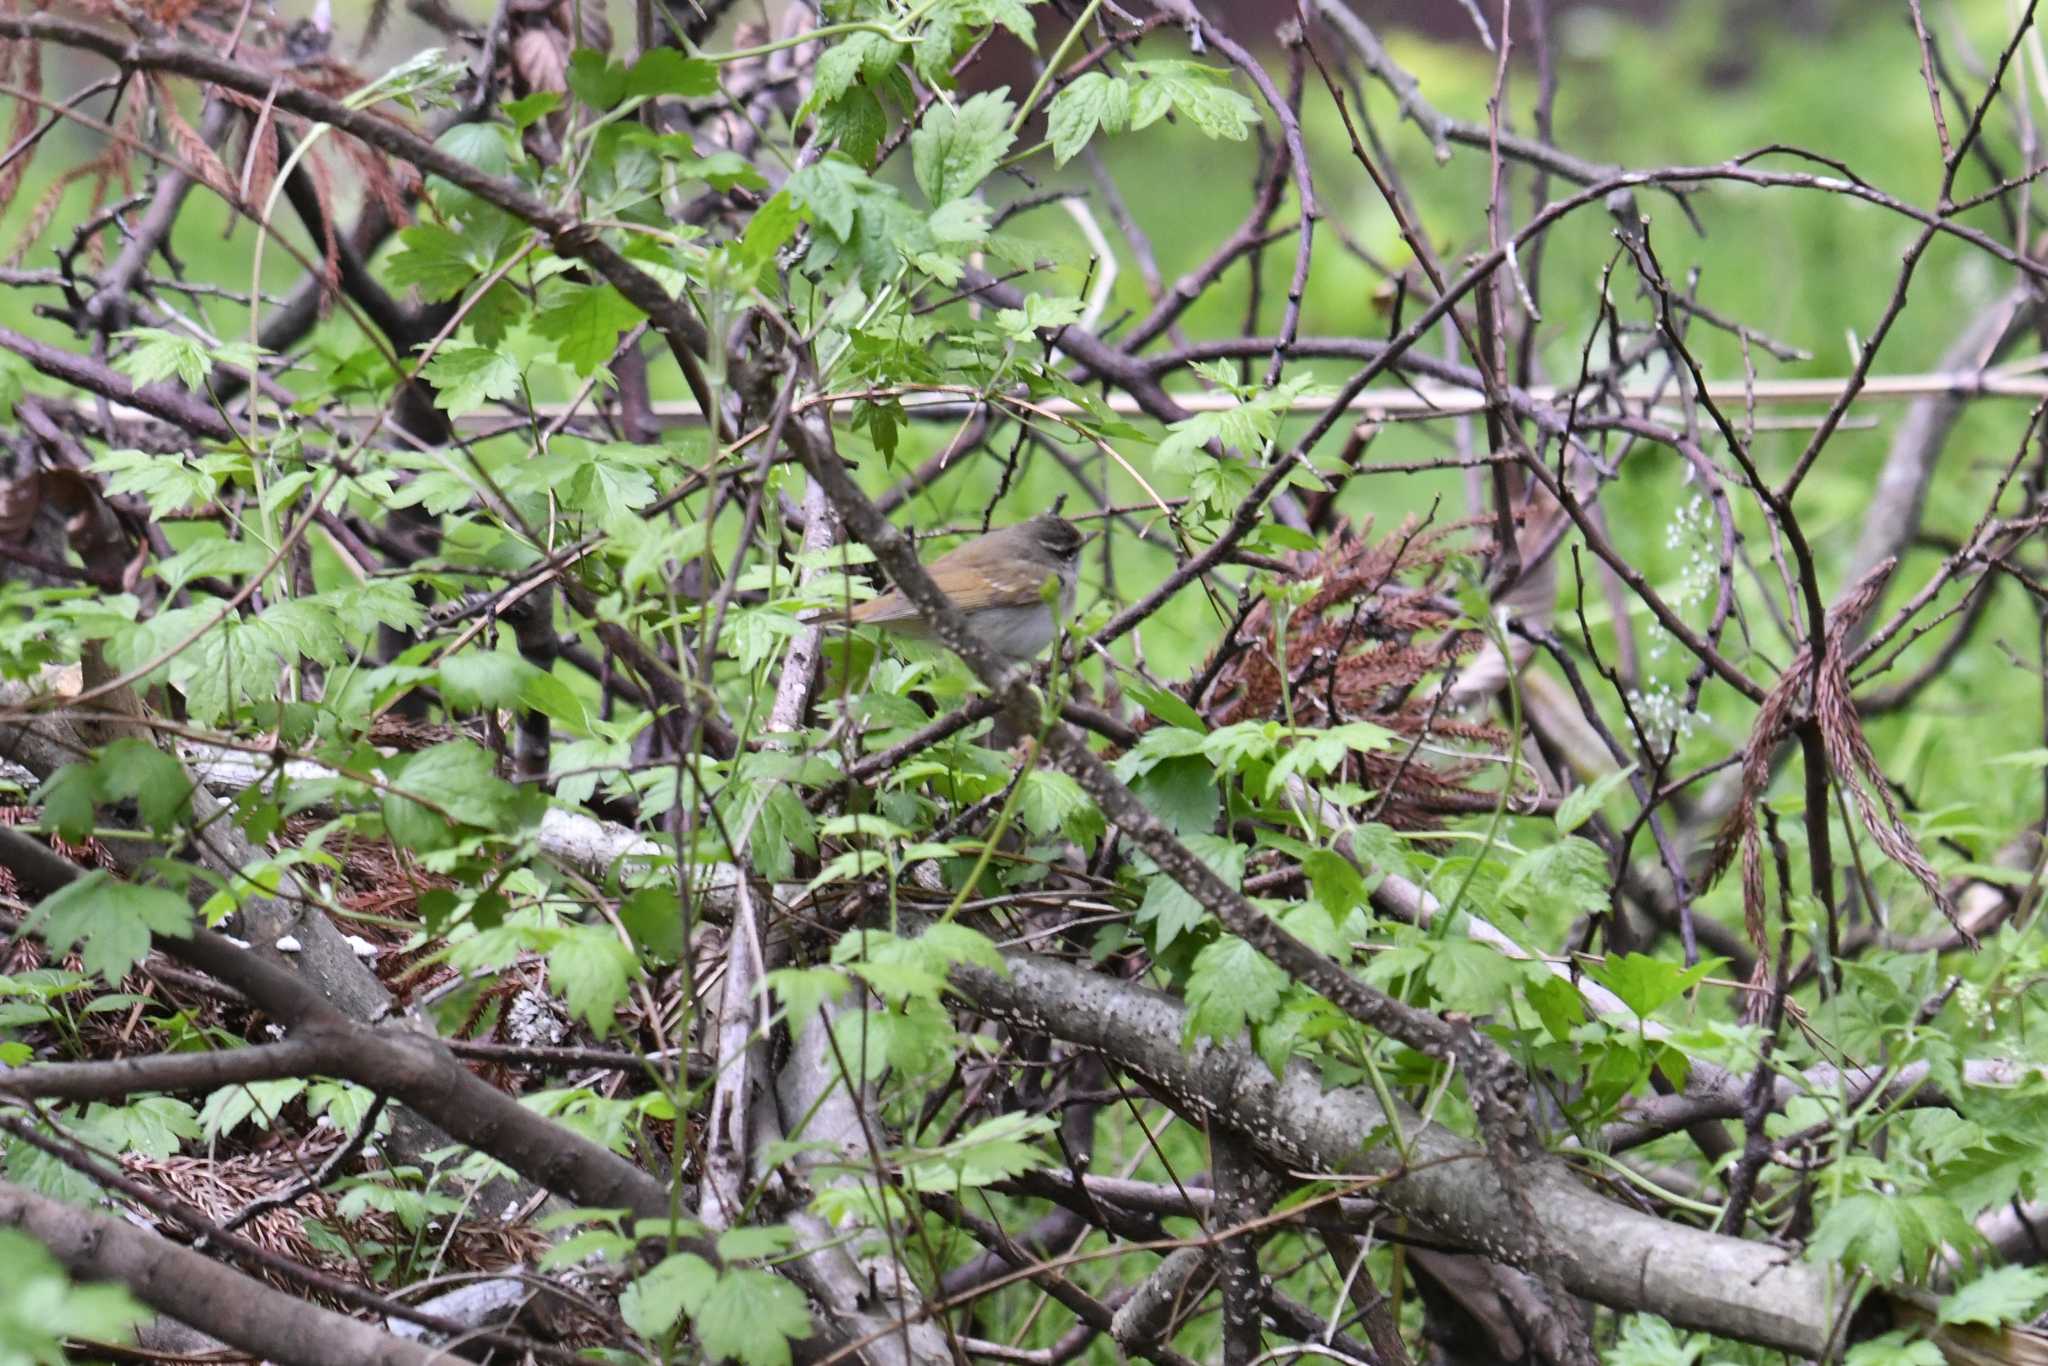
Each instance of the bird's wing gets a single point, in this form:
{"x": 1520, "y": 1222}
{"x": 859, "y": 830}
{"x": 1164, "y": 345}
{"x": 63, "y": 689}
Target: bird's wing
{"x": 1009, "y": 583}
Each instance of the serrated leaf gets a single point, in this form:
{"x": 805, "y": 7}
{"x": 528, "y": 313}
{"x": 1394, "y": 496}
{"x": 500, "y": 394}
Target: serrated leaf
{"x": 1199, "y": 93}
{"x": 486, "y": 679}
{"x": 1645, "y": 983}
{"x": 227, "y": 1109}
{"x": 134, "y": 769}
{"x": 803, "y": 991}
{"x": 160, "y": 355}
{"x": 750, "y": 1316}
{"x": 1581, "y": 803}
{"x": 654, "y": 1302}
{"x": 956, "y": 148}
{"x": 1048, "y": 801}
{"x": 1570, "y": 875}
{"x": 829, "y": 191}
{"x": 465, "y": 377}
{"x": 1170, "y": 909}
{"x": 1092, "y": 102}
{"x": 2007, "y": 1294}
{"x": 454, "y": 781}
{"x": 1230, "y": 986}
{"x": 666, "y": 71}
{"x": 586, "y": 324}
{"x": 754, "y": 1241}
{"x": 109, "y": 922}
{"x": 214, "y": 556}
{"x": 591, "y": 968}
{"x": 435, "y": 261}
{"x": 960, "y": 222}
{"x": 1470, "y": 976}
{"x": 1891, "y": 1236}
{"x": 596, "y": 81}
{"x": 993, "y": 1150}
{"x": 149, "y": 1126}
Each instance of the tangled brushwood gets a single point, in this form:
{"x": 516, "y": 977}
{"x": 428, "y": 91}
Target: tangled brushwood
{"x": 477, "y": 886}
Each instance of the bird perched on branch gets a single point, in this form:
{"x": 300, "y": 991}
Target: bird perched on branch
{"x": 999, "y": 582}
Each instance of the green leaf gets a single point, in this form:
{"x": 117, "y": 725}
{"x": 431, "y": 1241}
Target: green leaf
{"x": 487, "y": 679}
{"x": 855, "y": 122}
{"x": 1470, "y": 976}
{"x": 1645, "y": 983}
{"x": 68, "y": 800}
{"x": 1896, "y": 1348}
{"x": 839, "y": 66}
{"x": 466, "y": 377}
{"x": 531, "y": 109}
{"x": 110, "y": 921}
{"x": 654, "y": 1302}
{"x": 1230, "y": 986}
{"x": 803, "y": 991}
{"x": 755, "y": 1241}
{"x": 2005, "y": 1295}
{"x": 214, "y": 556}
{"x": 596, "y": 81}
{"x": 960, "y": 223}
{"x": 993, "y": 1150}
{"x": 1994, "y": 1171}
{"x": 749, "y": 1316}
{"x": 1092, "y": 101}
{"x": 666, "y": 71}
{"x": 1569, "y": 876}
{"x": 956, "y": 148}
{"x": 1049, "y": 801}
{"x": 170, "y": 483}
{"x": 586, "y": 324}
{"x": 451, "y": 782}
{"x": 227, "y": 1109}
{"x": 1581, "y": 803}
{"x": 1183, "y": 793}
{"x": 435, "y": 261}
{"x": 1245, "y": 427}
{"x": 134, "y": 769}
{"x": 1561, "y": 1009}
{"x": 1891, "y": 1236}
{"x": 1165, "y": 706}
{"x": 1649, "y": 1341}
{"x": 1170, "y": 909}
{"x": 1312, "y": 753}
{"x": 653, "y": 917}
{"x": 1041, "y": 312}
{"x": 150, "y": 1126}
{"x": 829, "y": 191}
{"x": 159, "y": 355}
{"x": 41, "y": 1307}
{"x": 1201, "y": 94}
{"x": 591, "y": 968}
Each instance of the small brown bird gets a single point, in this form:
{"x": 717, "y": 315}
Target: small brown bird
{"x": 998, "y": 581}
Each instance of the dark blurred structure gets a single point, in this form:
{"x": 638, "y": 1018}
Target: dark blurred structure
{"x": 1451, "y": 20}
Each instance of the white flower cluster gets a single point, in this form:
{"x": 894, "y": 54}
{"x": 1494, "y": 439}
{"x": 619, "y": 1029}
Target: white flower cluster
{"x": 1663, "y": 713}
{"x": 1691, "y": 533}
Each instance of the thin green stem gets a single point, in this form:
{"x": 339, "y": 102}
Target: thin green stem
{"x": 1052, "y": 66}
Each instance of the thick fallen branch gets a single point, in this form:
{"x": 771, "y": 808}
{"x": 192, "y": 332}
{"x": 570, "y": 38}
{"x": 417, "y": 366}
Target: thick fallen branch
{"x": 198, "y": 1291}
{"x": 1609, "y": 1253}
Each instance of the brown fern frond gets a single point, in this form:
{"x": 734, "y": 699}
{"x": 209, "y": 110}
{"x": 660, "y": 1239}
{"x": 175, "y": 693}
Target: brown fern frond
{"x": 1848, "y": 756}
{"x": 259, "y": 167}
{"x": 99, "y": 169}
{"x": 1372, "y": 642}
{"x": 21, "y": 63}
{"x": 330, "y": 243}
{"x": 198, "y": 158}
